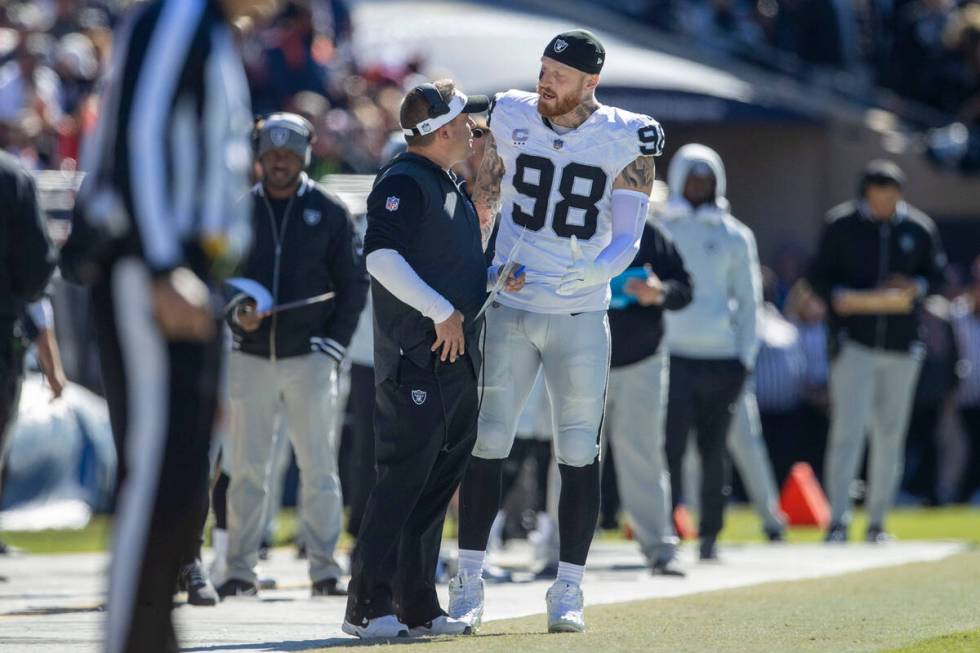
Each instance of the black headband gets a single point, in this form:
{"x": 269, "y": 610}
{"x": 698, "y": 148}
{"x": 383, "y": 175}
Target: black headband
{"x": 579, "y": 49}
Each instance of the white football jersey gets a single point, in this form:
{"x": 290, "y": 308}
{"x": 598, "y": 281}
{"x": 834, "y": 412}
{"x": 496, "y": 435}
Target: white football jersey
{"x": 559, "y": 185}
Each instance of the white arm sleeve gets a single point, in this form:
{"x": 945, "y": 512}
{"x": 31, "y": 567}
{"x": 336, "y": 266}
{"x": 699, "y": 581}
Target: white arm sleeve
{"x": 629, "y": 214}
{"x": 394, "y": 273}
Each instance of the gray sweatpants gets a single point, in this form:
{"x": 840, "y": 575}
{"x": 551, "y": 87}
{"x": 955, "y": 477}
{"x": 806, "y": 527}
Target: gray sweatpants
{"x": 307, "y": 386}
{"x": 636, "y": 409}
{"x": 748, "y": 450}
{"x": 870, "y": 391}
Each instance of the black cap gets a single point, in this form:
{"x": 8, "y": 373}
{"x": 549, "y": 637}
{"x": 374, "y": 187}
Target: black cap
{"x": 882, "y": 172}
{"x": 579, "y": 49}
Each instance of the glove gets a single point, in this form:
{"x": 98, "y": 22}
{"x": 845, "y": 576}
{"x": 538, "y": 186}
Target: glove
{"x": 581, "y": 273}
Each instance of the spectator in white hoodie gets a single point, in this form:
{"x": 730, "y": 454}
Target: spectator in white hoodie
{"x": 712, "y": 342}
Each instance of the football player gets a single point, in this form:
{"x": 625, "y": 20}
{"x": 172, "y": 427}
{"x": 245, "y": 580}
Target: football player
{"x": 571, "y": 180}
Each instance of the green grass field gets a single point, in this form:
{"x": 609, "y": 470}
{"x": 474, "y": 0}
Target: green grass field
{"x": 918, "y": 608}
{"x": 951, "y": 523}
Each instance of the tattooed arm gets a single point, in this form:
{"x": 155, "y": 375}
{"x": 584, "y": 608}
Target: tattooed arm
{"x": 486, "y": 191}
{"x": 637, "y": 176}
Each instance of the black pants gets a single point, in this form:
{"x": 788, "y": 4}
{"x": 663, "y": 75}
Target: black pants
{"x": 361, "y": 409}
{"x": 163, "y": 397}
{"x": 114, "y": 390}
{"x": 11, "y": 374}
{"x": 971, "y": 473}
{"x": 784, "y": 440}
{"x": 921, "y": 477}
{"x": 425, "y": 428}
{"x": 702, "y": 396}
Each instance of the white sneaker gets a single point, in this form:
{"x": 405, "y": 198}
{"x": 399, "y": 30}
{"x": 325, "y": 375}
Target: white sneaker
{"x": 386, "y": 627}
{"x": 466, "y": 599}
{"x": 565, "y": 608}
{"x": 442, "y": 625}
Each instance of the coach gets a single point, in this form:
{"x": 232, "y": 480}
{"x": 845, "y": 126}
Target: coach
{"x": 429, "y": 278}
{"x": 303, "y": 246}
{"x": 877, "y": 258}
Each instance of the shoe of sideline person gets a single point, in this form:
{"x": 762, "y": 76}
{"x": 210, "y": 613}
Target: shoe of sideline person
{"x": 234, "y": 587}
{"x": 566, "y": 612}
{"x": 386, "y": 627}
{"x": 328, "y": 587}
{"x": 441, "y": 625}
{"x": 194, "y": 580}
{"x": 466, "y": 599}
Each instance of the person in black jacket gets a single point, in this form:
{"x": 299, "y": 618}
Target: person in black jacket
{"x": 878, "y": 258}
{"x": 636, "y": 405}
{"x": 27, "y": 259}
{"x": 303, "y": 246}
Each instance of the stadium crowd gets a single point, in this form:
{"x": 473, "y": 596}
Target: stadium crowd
{"x": 53, "y": 54}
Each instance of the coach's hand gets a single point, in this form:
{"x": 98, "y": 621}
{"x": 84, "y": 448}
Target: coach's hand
{"x": 581, "y": 273}
{"x": 649, "y": 292}
{"x": 182, "y": 307}
{"x": 449, "y": 336}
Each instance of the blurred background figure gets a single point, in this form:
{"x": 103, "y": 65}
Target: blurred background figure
{"x": 713, "y": 341}
{"x": 636, "y": 402}
{"x": 966, "y": 325}
{"x": 877, "y": 260}
{"x": 27, "y": 259}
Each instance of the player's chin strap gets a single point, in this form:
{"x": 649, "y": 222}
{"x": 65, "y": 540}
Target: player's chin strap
{"x": 429, "y": 125}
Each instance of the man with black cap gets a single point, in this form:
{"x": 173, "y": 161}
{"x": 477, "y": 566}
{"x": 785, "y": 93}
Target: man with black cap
{"x": 878, "y": 258}
{"x": 303, "y": 246}
{"x": 429, "y": 280}
{"x": 571, "y": 179}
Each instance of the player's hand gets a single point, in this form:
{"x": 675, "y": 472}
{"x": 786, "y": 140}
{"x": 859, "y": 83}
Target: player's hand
{"x": 182, "y": 306}
{"x": 450, "y": 338}
{"x": 581, "y": 273}
{"x": 246, "y": 317}
{"x": 516, "y": 279}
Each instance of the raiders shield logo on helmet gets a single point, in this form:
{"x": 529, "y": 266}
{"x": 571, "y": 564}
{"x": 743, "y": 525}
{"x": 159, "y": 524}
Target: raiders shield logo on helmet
{"x": 279, "y": 136}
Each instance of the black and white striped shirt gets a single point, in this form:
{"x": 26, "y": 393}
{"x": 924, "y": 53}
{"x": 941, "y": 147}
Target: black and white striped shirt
{"x": 168, "y": 161}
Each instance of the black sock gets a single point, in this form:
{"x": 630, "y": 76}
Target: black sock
{"x": 578, "y": 511}
{"x": 479, "y": 501}
{"x": 218, "y": 501}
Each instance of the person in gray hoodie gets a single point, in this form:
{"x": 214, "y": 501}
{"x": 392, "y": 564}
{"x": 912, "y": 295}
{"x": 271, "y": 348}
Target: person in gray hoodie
{"x": 713, "y": 341}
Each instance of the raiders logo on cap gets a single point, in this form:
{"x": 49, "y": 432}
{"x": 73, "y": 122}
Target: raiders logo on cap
{"x": 560, "y": 45}
{"x": 279, "y": 136}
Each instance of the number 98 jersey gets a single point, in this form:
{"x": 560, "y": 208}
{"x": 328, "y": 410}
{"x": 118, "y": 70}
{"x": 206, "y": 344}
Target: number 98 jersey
{"x": 556, "y": 186}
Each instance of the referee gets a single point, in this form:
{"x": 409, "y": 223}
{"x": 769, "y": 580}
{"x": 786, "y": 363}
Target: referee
{"x": 166, "y": 166}
{"x": 429, "y": 278}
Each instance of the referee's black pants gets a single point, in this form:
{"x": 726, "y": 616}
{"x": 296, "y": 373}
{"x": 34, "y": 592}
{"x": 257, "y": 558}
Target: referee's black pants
{"x": 11, "y": 375}
{"x": 163, "y": 397}
{"x": 425, "y": 428}
{"x": 702, "y": 396}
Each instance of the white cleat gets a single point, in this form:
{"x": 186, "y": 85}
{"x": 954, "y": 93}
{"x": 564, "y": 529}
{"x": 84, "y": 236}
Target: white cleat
{"x": 466, "y": 600}
{"x": 565, "y": 608}
{"x": 441, "y": 625}
{"x": 386, "y": 627}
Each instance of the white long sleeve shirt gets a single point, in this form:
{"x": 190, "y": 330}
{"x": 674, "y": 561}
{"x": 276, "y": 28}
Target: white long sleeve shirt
{"x": 720, "y": 253}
